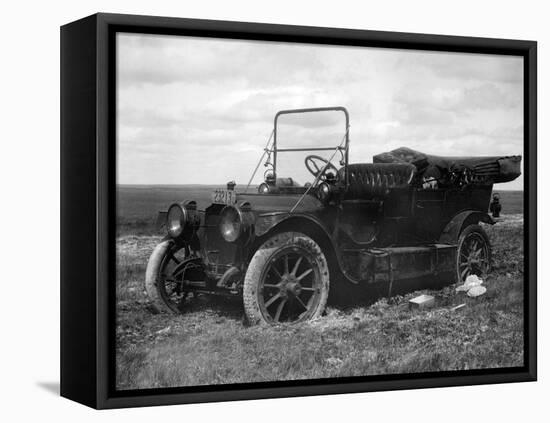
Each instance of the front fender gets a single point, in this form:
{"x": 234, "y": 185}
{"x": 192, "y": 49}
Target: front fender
{"x": 310, "y": 226}
{"x": 452, "y": 231}
{"x": 265, "y": 222}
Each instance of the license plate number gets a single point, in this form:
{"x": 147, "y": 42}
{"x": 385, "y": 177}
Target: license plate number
{"x": 224, "y": 196}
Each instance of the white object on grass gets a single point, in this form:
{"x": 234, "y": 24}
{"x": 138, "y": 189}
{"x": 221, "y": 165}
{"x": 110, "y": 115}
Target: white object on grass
{"x": 458, "y": 307}
{"x": 422, "y": 301}
{"x": 469, "y": 283}
{"x": 476, "y": 291}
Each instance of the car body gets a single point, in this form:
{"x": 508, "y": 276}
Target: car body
{"x": 283, "y": 248}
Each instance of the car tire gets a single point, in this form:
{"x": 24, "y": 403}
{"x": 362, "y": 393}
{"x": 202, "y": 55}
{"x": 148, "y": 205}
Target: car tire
{"x": 473, "y": 238}
{"x": 154, "y": 282}
{"x": 277, "y": 275}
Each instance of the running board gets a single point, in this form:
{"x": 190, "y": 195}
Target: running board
{"x": 397, "y": 263}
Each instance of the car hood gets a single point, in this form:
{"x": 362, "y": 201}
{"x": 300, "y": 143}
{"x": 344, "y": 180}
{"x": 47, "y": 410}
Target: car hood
{"x": 268, "y": 203}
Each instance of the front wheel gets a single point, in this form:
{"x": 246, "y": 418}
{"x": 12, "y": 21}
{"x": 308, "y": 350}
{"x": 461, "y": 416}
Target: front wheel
{"x": 473, "y": 253}
{"x": 287, "y": 281}
{"x": 161, "y": 277}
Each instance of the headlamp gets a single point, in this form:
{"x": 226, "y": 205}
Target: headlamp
{"x": 235, "y": 221}
{"x": 263, "y": 188}
{"x": 181, "y": 218}
{"x": 323, "y": 191}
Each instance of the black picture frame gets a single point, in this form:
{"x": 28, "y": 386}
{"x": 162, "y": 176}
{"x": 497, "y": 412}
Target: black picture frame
{"x": 88, "y": 214}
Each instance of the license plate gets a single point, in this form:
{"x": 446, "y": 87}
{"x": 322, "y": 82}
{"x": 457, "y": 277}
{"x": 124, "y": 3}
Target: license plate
{"x": 224, "y": 196}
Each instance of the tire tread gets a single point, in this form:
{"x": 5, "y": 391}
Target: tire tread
{"x": 259, "y": 260}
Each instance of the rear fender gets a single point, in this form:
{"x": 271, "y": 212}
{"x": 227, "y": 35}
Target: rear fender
{"x": 452, "y": 231}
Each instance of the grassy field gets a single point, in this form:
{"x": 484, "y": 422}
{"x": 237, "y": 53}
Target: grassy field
{"x": 210, "y": 343}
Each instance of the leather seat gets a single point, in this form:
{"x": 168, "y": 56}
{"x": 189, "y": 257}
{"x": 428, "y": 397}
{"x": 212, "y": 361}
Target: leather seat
{"x": 367, "y": 180}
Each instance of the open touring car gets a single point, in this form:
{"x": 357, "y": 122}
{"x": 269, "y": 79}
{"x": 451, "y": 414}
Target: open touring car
{"x": 285, "y": 247}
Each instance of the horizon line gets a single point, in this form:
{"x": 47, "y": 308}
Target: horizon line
{"x": 495, "y": 187}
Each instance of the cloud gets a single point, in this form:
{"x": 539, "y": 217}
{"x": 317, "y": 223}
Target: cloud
{"x": 165, "y": 60}
{"x": 198, "y": 110}
{"x": 469, "y": 66}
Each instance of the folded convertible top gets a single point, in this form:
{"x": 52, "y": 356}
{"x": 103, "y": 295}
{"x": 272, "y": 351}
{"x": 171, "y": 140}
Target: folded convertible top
{"x": 481, "y": 170}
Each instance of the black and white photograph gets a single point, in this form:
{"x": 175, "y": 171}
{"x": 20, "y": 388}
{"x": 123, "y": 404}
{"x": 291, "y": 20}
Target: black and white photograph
{"x": 297, "y": 211}
{"x": 260, "y": 212}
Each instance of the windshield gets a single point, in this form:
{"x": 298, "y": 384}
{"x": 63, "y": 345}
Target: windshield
{"x": 306, "y": 132}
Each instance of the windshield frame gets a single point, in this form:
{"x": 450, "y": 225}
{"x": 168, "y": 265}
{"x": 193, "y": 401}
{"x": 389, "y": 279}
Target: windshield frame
{"x": 274, "y": 150}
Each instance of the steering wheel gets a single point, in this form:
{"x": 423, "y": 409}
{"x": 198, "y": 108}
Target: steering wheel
{"x": 315, "y": 169}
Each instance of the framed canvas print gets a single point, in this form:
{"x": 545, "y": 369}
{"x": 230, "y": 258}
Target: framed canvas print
{"x": 255, "y": 211}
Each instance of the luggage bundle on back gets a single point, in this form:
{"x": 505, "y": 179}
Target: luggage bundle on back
{"x": 456, "y": 170}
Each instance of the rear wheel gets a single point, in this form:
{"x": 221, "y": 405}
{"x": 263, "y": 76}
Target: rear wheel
{"x": 161, "y": 277}
{"x": 473, "y": 253}
{"x": 287, "y": 281}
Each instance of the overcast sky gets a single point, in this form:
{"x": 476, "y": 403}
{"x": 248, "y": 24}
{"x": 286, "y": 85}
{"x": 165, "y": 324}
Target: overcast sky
{"x": 198, "y": 110}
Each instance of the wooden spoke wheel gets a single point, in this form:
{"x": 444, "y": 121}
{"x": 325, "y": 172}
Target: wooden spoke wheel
{"x": 287, "y": 281}
{"x": 163, "y": 277}
{"x": 473, "y": 253}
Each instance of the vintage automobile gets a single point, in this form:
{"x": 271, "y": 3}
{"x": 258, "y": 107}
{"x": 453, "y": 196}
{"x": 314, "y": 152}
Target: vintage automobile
{"x": 286, "y": 247}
